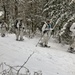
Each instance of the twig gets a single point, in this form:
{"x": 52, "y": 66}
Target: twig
{"x": 24, "y": 63}
{"x": 10, "y": 66}
{"x": 21, "y": 66}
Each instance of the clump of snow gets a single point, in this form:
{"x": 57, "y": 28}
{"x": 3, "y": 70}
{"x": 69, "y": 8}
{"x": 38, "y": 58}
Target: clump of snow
{"x": 1, "y": 13}
{"x": 72, "y": 2}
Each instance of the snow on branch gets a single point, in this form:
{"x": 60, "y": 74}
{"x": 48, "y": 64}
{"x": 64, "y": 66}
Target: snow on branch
{"x": 49, "y": 2}
{"x": 72, "y": 2}
{"x": 60, "y": 17}
{"x": 31, "y": 1}
{"x": 1, "y": 13}
{"x": 65, "y": 25}
{"x": 72, "y": 18}
{"x": 48, "y": 8}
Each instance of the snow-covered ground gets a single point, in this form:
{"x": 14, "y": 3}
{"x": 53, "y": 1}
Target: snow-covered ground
{"x": 51, "y": 61}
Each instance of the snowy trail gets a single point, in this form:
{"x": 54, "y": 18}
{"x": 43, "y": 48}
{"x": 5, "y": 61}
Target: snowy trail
{"x": 51, "y": 61}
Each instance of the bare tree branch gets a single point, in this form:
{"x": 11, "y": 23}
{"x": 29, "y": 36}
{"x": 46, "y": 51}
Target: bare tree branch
{"x": 10, "y": 66}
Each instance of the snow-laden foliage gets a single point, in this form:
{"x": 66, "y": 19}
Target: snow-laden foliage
{"x": 34, "y": 12}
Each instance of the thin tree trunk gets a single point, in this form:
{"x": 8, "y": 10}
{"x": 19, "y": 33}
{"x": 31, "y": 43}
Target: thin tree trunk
{"x": 16, "y": 9}
{"x": 4, "y": 12}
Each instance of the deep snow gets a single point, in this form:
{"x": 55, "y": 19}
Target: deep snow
{"x": 51, "y": 61}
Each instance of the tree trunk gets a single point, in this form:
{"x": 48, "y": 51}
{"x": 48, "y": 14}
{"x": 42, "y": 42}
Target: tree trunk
{"x": 16, "y": 9}
{"x": 4, "y": 12}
